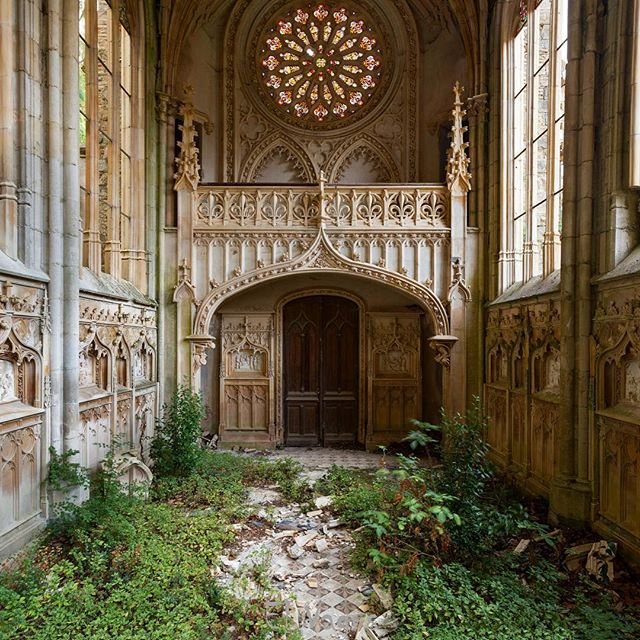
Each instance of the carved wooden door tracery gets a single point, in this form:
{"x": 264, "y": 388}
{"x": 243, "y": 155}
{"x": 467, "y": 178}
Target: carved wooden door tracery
{"x": 320, "y": 376}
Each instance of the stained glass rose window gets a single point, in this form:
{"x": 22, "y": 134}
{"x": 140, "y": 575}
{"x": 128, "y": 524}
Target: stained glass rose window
{"x": 321, "y": 62}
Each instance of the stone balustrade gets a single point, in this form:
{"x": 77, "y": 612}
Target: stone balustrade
{"x": 369, "y": 206}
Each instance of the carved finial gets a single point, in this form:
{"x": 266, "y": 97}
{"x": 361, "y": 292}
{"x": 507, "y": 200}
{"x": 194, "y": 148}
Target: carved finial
{"x": 184, "y": 271}
{"x": 458, "y": 174}
{"x": 187, "y": 176}
{"x": 457, "y": 281}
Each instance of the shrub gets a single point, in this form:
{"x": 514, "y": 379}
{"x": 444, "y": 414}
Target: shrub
{"x": 466, "y": 475}
{"x": 175, "y": 448}
{"x": 63, "y": 473}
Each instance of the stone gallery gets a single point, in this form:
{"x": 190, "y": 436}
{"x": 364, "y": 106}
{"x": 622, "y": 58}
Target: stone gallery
{"x": 329, "y": 219}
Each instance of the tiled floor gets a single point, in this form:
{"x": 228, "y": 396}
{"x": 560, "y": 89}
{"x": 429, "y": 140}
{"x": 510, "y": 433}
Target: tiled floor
{"x": 330, "y": 599}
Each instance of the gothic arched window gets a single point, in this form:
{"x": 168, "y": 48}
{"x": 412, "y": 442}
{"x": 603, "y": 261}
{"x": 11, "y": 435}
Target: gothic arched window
{"x": 110, "y": 135}
{"x": 533, "y": 127}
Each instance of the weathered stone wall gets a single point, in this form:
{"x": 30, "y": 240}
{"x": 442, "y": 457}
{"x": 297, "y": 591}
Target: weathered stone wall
{"x": 561, "y": 372}
{"x": 78, "y": 364}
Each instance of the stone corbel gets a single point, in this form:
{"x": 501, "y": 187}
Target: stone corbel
{"x": 477, "y": 106}
{"x": 441, "y": 346}
{"x": 200, "y": 346}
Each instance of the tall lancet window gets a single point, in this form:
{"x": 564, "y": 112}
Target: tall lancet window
{"x": 536, "y": 59}
{"x": 107, "y": 140}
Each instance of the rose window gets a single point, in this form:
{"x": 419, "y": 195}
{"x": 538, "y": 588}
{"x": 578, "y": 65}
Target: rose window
{"x": 321, "y": 63}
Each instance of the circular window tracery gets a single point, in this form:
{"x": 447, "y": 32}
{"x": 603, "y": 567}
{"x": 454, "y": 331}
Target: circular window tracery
{"x": 321, "y": 63}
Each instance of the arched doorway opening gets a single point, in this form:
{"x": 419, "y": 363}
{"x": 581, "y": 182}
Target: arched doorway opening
{"x": 259, "y": 395}
{"x": 321, "y": 372}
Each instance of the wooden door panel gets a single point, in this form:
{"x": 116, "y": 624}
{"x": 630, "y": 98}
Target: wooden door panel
{"x": 340, "y": 420}
{"x": 302, "y": 420}
{"x": 302, "y": 326}
{"x": 321, "y": 367}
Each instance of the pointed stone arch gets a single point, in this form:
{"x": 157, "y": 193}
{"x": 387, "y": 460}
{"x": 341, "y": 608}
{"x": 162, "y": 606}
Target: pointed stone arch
{"x": 323, "y": 257}
{"x": 363, "y": 148}
{"x": 272, "y": 147}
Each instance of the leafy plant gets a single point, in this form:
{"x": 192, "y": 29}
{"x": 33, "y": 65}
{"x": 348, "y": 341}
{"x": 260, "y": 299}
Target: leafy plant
{"x": 63, "y": 473}
{"x": 175, "y": 449}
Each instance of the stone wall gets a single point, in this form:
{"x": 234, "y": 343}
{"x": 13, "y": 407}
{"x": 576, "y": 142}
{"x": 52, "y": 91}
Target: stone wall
{"x": 78, "y": 363}
{"x": 561, "y": 371}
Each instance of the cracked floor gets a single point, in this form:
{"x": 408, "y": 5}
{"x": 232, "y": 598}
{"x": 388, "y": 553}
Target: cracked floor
{"x": 307, "y": 554}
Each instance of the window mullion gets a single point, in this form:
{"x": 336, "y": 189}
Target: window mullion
{"x": 114, "y": 159}
{"x": 548, "y": 239}
{"x": 92, "y": 222}
{"x": 527, "y": 253}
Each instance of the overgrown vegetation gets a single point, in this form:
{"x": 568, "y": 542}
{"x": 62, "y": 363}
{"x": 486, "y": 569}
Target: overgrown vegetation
{"x": 119, "y": 567}
{"x": 442, "y": 537}
{"x": 439, "y": 531}
{"x": 175, "y": 450}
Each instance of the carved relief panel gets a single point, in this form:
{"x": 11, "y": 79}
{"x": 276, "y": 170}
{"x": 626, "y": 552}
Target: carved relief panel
{"x": 394, "y": 375}
{"x": 24, "y": 332}
{"x": 117, "y": 375}
{"x": 144, "y": 421}
{"x": 246, "y": 377}
{"x": 522, "y": 388}
{"x": 19, "y": 472}
{"x": 617, "y": 383}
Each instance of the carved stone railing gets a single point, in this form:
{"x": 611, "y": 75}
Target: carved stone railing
{"x": 402, "y": 206}
{"x": 402, "y": 229}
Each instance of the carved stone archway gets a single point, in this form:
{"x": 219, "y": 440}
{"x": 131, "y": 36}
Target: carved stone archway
{"x": 322, "y": 257}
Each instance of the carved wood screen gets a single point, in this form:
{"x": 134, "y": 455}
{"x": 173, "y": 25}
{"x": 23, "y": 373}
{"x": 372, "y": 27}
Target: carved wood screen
{"x": 246, "y": 378}
{"x": 395, "y": 376}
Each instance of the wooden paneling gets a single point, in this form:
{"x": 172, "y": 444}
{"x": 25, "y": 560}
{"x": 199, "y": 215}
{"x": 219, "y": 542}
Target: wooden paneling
{"x": 394, "y": 375}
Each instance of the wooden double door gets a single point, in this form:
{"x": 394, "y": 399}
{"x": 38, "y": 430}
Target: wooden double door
{"x": 321, "y": 371}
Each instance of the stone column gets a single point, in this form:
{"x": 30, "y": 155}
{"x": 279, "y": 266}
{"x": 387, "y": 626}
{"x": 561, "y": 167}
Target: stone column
{"x": 56, "y": 219}
{"x": 8, "y": 188}
{"x": 71, "y": 199}
{"x": 571, "y": 492}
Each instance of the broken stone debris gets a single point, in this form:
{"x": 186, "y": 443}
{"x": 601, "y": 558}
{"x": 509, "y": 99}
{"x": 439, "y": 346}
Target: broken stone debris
{"x": 379, "y": 628}
{"x": 322, "y": 502}
{"x": 386, "y": 600}
{"x": 321, "y": 545}
{"x": 595, "y": 557}
{"x": 600, "y": 560}
{"x": 521, "y": 547}
{"x": 304, "y": 540}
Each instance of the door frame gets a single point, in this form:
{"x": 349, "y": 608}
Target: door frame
{"x": 279, "y": 359}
